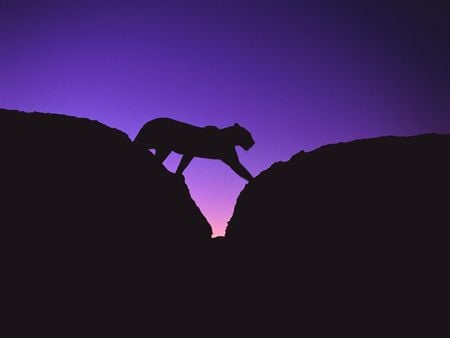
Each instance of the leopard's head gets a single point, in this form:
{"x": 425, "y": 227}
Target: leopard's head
{"x": 242, "y": 137}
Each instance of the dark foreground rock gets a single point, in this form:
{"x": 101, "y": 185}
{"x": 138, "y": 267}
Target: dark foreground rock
{"x": 351, "y": 239}
{"x": 99, "y": 240}
{"x": 95, "y": 233}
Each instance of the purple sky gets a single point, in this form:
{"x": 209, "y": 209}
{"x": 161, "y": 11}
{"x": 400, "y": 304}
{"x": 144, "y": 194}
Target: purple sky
{"x": 297, "y": 74}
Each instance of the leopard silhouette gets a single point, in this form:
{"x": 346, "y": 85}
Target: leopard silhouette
{"x": 166, "y": 135}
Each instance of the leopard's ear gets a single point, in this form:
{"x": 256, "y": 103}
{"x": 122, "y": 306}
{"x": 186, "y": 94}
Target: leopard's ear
{"x": 236, "y": 125}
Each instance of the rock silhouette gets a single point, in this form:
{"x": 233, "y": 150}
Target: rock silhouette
{"x": 99, "y": 239}
{"x": 92, "y": 227}
{"x": 167, "y": 135}
{"x": 353, "y": 236}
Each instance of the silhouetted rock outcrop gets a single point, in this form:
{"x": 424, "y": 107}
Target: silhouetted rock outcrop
{"x": 349, "y": 239}
{"x": 99, "y": 239}
{"x": 92, "y": 226}
{"x": 396, "y": 183}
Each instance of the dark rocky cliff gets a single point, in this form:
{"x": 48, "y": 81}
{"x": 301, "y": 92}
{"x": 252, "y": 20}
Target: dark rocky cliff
{"x": 353, "y": 236}
{"x": 80, "y": 172}
{"x": 99, "y": 239}
{"x": 92, "y": 226}
{"x": 395, "y": 183}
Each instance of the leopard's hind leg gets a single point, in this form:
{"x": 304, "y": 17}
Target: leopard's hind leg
{"x": 162, "y": 153}
{"x": 185, "y": 160}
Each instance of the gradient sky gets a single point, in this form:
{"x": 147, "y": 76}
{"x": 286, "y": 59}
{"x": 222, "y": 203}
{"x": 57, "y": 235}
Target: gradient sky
{"x": 297, "y": 74}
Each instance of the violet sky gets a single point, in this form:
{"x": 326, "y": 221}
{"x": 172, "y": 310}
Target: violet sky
{"x": 297, "y": 74}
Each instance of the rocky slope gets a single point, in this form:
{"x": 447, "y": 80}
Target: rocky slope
{"x": 383, "y": 183}
{"x": 353, "y": 236}
{"x": 84, "y": 173}
{"x": 99, "y": 239}
{"x": 91, "y": 225}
